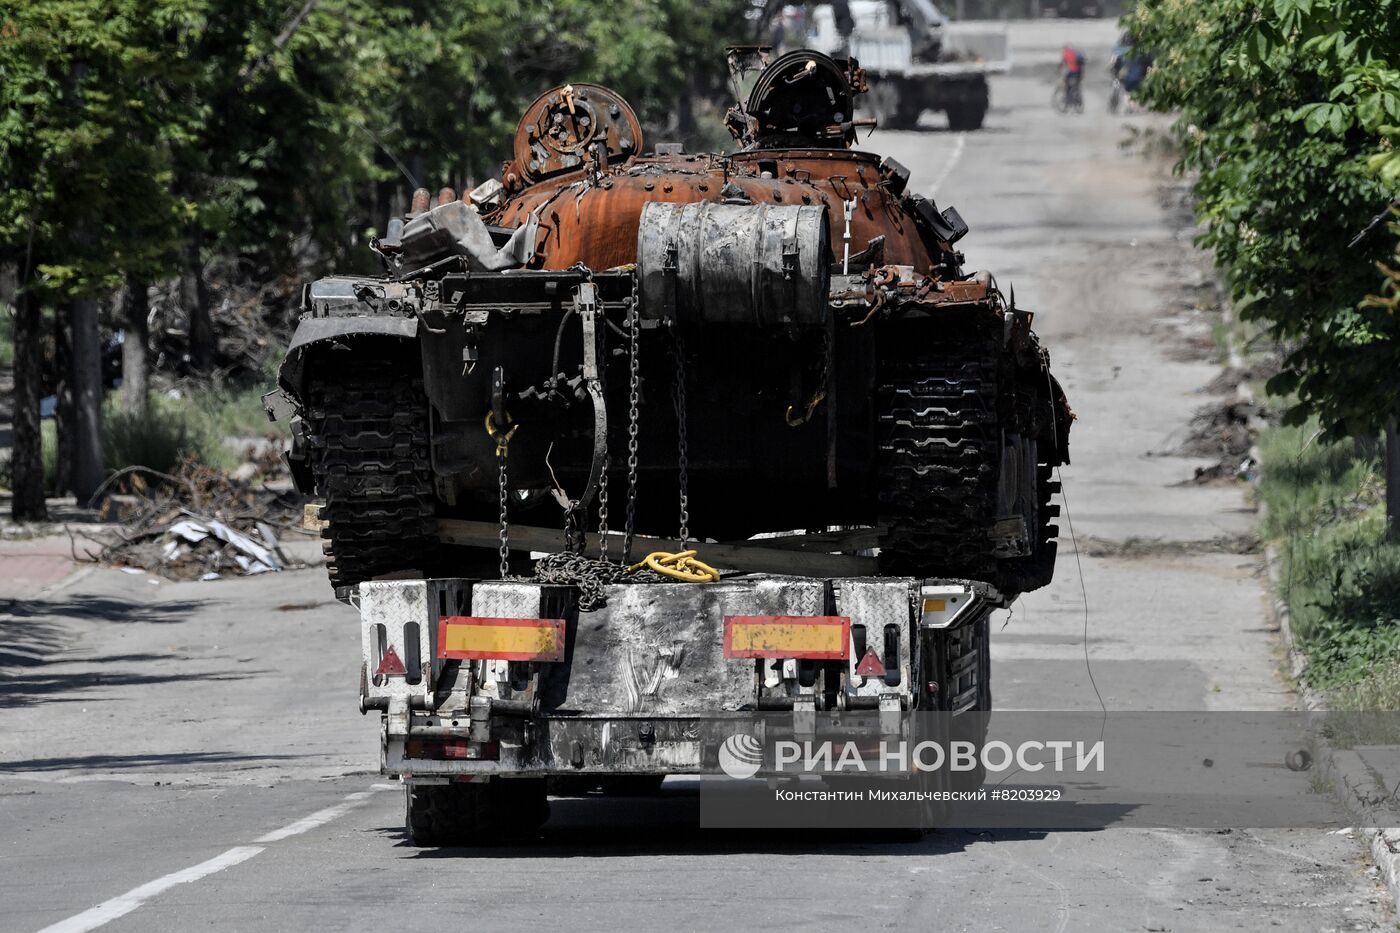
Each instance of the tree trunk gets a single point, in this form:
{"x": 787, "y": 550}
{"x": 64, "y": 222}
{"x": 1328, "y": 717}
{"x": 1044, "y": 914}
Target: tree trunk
{"x": 1392, "y": 482}
{"x": 27, "y": 455}
{"x": 196, "y": 302}
{"x": 65, "y": 417}
{"x": 136, "y": 368}
{"x": 88, "y": 471}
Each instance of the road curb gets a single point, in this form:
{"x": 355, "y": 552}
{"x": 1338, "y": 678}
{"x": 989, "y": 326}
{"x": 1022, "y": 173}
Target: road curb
{"x": 1352, "y": 781}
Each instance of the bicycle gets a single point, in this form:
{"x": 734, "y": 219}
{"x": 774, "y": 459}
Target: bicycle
{"x": 1068, "y": 96}
{"x": 1115, "y": 95}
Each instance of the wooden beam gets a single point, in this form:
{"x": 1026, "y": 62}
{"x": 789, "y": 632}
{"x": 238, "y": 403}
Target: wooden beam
{"x": 854, "y": 539}
{"x": 725, "y": 556}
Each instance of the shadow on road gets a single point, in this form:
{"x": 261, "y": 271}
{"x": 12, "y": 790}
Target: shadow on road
{"x": 36, "y": 638}
{"x": 19, "y": 690}
{"x": 668, "y": 824}
{"x": 120, "y": 762}
{"x": 89, "y": 608}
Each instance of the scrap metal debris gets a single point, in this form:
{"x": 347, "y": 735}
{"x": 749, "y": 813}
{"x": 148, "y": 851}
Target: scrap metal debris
{"x": 196, "y": 523}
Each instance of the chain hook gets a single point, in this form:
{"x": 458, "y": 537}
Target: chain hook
{"x": 502, "y": 437}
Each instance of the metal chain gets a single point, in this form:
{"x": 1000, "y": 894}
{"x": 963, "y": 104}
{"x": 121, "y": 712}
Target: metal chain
{"x": 634, "y": 398}
{"x": 607, "y": 452}
{"x": 505, "y": 522}
{"x": 590, "y": 575}
{"x": 573, "y": 539}
{"x": 683, "y": 458}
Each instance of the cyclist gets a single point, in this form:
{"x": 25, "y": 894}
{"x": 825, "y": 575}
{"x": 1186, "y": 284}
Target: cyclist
{"x": 1129, "y": 66}
{"x": 1072, "y": 62}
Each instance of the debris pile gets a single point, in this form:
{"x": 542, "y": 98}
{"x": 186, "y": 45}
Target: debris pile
{"x": 197, "y": 523}
{"x": 1224, "y": 432}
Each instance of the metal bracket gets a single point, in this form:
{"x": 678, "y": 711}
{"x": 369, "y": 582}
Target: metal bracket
{"x": 480, "y": 718}
{"x": 585, "y": 302}
{"x": 790, "y": 257}
{"x": 396, "y": 722}
{"x": 804, "y": 714}
{"x": 278, "y": 406}
{"x": 891, "y": 713}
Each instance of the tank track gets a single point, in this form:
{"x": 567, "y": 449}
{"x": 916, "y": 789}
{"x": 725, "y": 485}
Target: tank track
{"x": 369, "y": 453}
{"x": 939, "y": 450}
{"x": 941, "y": 416}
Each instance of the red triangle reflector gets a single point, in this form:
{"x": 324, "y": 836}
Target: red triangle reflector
{"x": 870, "y": 665}
{"x": 392, "y": 666}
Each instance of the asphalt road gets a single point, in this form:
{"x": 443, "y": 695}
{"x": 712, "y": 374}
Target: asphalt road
{"x": 188, "y": 756}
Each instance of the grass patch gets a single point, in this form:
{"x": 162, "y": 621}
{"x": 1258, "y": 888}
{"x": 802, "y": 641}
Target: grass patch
{"x": 170, "y": 431}
{"x": 7, "y": 337}
{"x": 173, "y": 429}
{"x": 234, "y": 412}
{"x": 1340, "y": 578}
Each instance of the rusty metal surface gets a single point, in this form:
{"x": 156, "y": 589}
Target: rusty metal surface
{"x": 596, "y": 222}
{"x": 568, "y": 127}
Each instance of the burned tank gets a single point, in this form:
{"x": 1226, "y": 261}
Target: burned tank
{"x": 609, "y": 345}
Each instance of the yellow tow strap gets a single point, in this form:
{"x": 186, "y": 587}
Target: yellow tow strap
{"x": 682, "y": 566}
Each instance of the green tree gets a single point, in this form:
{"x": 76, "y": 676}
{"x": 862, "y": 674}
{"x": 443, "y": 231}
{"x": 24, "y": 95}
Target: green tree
{"x": 141, "y": 139}
{"x": 1290, "y": 115}
{"x": 87, "y": 198}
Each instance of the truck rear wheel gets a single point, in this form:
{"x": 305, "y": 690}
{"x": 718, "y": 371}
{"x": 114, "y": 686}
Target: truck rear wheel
{"x": 476, "y": 814}
{"x": 966, "y": 116}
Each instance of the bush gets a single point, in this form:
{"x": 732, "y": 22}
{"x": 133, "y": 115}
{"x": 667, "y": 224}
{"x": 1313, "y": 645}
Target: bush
{"x": 1340, "y": 578}
{"x": 169, "y": 431}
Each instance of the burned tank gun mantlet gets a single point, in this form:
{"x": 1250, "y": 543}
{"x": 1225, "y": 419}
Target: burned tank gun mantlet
{"x": 778, "y": 337}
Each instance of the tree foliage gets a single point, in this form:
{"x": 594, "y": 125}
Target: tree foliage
{"x": 141, "y": 139}
{"x": 128, "y": 127}
{"x": 1290, "y": 116}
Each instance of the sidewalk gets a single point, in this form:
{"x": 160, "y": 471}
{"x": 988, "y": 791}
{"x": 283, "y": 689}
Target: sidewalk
{"x": 28, "y": 566}
{"x": 36, "y": 556}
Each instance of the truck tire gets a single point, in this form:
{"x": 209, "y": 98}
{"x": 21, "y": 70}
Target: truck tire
{"x": 632, "y": 785}
{"x": 966, "y": 692}
{"x": 477, "y": 814}
{"x": 907, "y": 110}
{"x": 623, "y": 785}
{"x": 965, "y": 116}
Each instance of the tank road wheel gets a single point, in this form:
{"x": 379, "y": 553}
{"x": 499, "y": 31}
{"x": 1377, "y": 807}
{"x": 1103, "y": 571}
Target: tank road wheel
{"x": 367, "y": 422}
{"x": 476, "y": 814}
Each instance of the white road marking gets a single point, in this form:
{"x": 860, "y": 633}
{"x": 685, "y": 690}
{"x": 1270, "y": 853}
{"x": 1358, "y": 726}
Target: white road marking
{"x": 319, "y": 818}
{"x": 949, "y": 165}
{"x": 124, "y": 904}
